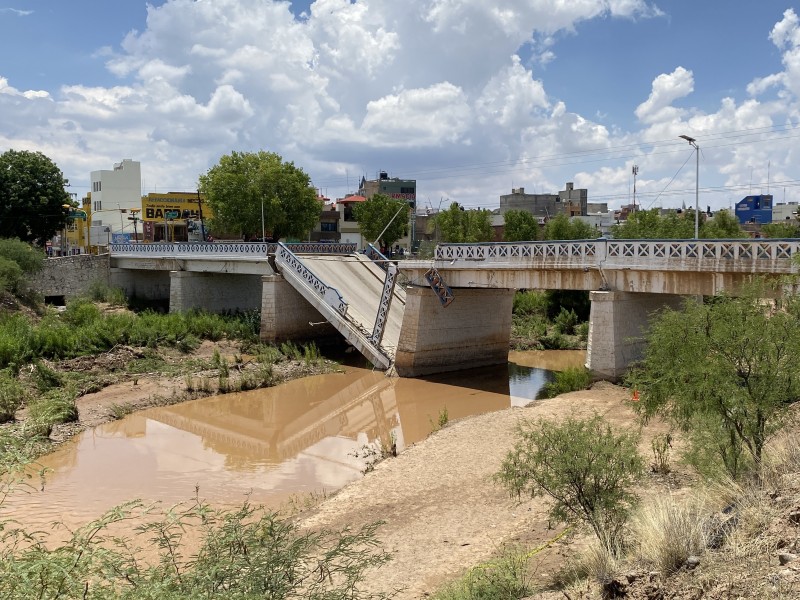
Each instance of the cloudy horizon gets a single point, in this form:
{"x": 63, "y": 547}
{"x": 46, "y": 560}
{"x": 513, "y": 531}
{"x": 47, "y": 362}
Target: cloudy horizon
{"x": 469, "y": 98}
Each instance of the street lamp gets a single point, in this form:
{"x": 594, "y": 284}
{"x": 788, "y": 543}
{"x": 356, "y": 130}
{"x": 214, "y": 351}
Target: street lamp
{"x": 693, "y": 144}
{"x": 135, "y": 218}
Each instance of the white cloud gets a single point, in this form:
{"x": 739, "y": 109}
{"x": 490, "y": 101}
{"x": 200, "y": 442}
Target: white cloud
{"x": 666, "y": 89}
{"x": 16, "y": 11}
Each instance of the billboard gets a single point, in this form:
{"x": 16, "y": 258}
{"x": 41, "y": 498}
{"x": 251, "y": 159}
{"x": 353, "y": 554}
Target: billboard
{"x": 173, "y": 206}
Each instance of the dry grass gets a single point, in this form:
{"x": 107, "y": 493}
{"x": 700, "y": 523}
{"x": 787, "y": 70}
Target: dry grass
{"x": 667, "y": 531}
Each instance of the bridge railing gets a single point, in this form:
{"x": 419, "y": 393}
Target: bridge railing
{"x": 626, "y": 252}
{"x": 233, "y": 249}
{"x": 329, "y": 294}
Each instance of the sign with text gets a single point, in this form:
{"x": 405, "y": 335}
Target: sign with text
{"x": 160, "y": 207}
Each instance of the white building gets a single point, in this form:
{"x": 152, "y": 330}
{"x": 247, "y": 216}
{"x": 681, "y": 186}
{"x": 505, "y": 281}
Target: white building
{"x": 114, "y": 194}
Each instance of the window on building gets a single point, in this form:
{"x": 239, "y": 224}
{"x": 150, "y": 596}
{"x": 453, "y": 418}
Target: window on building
{"x": 407, "y": 190}
{"x": 329, "y": 226}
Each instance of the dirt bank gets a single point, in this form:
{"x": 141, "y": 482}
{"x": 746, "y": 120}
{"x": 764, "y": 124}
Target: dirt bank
{"x": 443, "y": 512}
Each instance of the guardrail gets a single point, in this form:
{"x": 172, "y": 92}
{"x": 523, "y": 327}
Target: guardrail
{"x": 595, "y": 251}
{"x": 241, "y": 249}
{"x": 287, "y": 259}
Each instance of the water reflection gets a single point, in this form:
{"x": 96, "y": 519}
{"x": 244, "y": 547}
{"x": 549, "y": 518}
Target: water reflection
{"x": 298, "y": 437}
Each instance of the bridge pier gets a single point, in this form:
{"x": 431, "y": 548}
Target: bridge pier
{"x": 617, "y": 326}
{"x": 286, "y": 315}
{"x": 213, "y": 292}
{"x": 474, "y": 331}
{"x": 149, "y": 285}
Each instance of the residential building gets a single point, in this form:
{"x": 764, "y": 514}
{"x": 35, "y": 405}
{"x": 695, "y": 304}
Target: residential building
{"x": 399, "y": 189}
{"x": 569, "y": 201}
{"x": 327, "y": 228}
{"x": 118, "y": 190}
{"x": 754, "y": 209}
{"x": 782, "y": 212}
{"x": 349, "y": 231}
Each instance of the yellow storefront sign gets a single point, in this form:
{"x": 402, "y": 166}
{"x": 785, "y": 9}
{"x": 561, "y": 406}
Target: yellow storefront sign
{"x": 174, "y": 206}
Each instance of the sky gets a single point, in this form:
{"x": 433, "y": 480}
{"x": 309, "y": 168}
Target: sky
{"x": 470, "y": 98}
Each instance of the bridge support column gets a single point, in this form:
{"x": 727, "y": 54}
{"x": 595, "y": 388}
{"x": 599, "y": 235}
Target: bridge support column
{"x": 617, "y": 326}
{"x": 213, "y": 292}
{"x": 286, "y": 315}
{"x": 473, "y": 331}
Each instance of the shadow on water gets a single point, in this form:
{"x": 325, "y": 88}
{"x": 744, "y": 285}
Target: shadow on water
{"x": 300, "y": 436}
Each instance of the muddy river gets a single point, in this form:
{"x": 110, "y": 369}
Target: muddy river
{"x": 274, "y": 444}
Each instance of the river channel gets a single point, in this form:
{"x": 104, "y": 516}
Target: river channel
{"x": 273, "y": 444}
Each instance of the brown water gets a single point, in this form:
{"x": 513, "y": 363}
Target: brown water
{"x": 299, "y": 437}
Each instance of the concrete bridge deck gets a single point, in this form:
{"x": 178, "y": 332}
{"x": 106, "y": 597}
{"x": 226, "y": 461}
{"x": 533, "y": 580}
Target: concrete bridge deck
{"x": 299, "y": 288}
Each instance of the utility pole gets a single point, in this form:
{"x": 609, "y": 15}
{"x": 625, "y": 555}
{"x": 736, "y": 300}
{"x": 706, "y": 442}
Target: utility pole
{"x": 200, "y": 211}
{"x": 635, "y": 173}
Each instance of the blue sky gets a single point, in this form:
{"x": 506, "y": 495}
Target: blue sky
{"x": 468, "y": 97}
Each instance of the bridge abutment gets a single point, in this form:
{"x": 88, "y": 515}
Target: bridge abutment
{"x": 617, "y": 326}
{"x": 286, "y": 315}
{"x": 473, "y": 331}
{"x": 148, "y": 285}
{"x": 216, "y": 293}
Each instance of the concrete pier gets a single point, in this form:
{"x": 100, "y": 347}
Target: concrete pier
{"x": 286, "y": 315}
{"x": 474, "y": 331}
{"x": 617, "y": 327}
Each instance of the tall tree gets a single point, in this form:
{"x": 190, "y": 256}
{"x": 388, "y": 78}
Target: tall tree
{"x": 457, "y": 225}
{"x": 561, "y": 227}
{"x": 32, "y": 197}
{"x": 724, "y": 225}
{"x": 379, "y": 212}
{"x": 725, "y": 370}
{"x": 652, "y": 225}
{"x": 520, "y": 225}
{"x": 243, "y": 186}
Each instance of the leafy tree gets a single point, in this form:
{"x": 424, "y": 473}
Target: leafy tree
{"x": 652, "y": 225}
{"x": 32, "y": 197}
{"x": 725, "y": 370}
{"x": 581, "y": 464}
{"x": 243, "y": 184}
{"x": 378, "y": 212}
{"x": 561, "y": 227}
{"x": 724, "y": 225}
{"x": 457, "y": 225}
{"x": 787, "y": 229}
{"x": 520, "y": 225}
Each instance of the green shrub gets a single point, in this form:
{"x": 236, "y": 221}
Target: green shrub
{"x": 566, "y": 321}
{"x": 506, "y": 578}
{"x": 530, "y": 303}
{"x": 29, "y": 259}
{"x": 568, "y": 380}
{"x": 10, "y": 275}
{"x": 55, "y": 406}
{"x": 12, "y": 395}
{"x": 244, "y": 553}
{"x": 582, "y": 331}
{"x": 45, "y": 378}
{"x": 585, "y": 467}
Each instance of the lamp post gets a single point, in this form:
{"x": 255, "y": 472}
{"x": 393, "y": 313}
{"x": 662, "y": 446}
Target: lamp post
{"x": 135, "y": 218}
{"x": 693, "y": 144}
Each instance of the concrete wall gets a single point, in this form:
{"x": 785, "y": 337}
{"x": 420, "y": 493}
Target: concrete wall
{"x": 617, "y": 326}
{"x": 149, "y": 285}
{"x": 70, "y": 276}
{"x": 286, "y": 315}
{"x": 473, "y": 331}
{"x": 213, "y": 292}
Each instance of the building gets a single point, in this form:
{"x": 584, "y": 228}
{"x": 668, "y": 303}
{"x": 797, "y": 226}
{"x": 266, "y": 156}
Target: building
{"x": 783, "y": 212}
{"x": 116, "y": 191}
{"x": 349, "y": 231}
{"x": 399, "y": 189}
{"x": 568, "y": 201}
{"x": 754, "y": 209}
{"x": 327, "y": 228}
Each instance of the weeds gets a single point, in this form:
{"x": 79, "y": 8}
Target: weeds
{"x": 507, "y": 578}
{"x": 441, "y": 421}
{"x": 661, "y": 446}
{"x": 118, "y": 411}
{"x": 568, "y": 380}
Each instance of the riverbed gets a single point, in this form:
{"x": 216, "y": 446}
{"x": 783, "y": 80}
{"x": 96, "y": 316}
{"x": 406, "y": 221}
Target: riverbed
{"x": 311, "y": 435}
